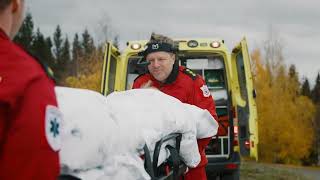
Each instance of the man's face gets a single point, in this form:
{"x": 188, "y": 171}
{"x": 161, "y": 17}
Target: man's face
{"x": 161, "y": 64}
{"x": 17, "y": 16}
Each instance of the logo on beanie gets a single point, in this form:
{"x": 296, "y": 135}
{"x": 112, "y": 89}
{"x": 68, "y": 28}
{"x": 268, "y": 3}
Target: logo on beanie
{"x": 155, "y": 46}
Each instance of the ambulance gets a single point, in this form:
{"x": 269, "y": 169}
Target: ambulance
{"x": 229, "y": 79}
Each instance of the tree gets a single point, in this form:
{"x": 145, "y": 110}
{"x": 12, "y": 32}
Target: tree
{"x": 305, "y": 89}
{"x": 317, "y": 130}
{"x": 49, "y": 52}
{"x": 25, "y": 36}
{"x": 66, "y": 58}
{"x": 66, "y": 51}
{"x": 91, "y": 78}
{"x": 273, "y": 48}
{"x": 283, "y": 119}
{"x": 57, "y": 51}
{"x": 87, "y": 43}
{"x": 57, "y": 41}
{"x": 116, "y": 41}
{"x": 293, "y": 81}
{"x": 316, "y": 91}
{"x": 103, "y": 30}
{"x": 41, "y": 47}
{"x": 293, "y": 72}
{"x": 77, "y": 52}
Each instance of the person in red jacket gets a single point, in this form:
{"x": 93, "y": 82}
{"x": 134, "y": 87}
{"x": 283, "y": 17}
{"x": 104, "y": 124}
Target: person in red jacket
{"x": 165, "y": 74}
{"x": 30, "y": 121}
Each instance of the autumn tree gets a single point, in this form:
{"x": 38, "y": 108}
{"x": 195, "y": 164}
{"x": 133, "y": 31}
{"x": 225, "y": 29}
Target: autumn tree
{"x": 90, "y": 78}
{"x": 79, "y": 59}
{"x": 283, "y": 118}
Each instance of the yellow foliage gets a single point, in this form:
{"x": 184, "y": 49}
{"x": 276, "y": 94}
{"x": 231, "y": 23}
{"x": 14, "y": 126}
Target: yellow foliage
{"x": 91, "y": 82}
{"x": 90, "y": 74}
{"x": 285, "y": 118}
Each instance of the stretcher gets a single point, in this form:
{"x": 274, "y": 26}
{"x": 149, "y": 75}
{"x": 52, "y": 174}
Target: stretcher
{"x": 171, "y": 169}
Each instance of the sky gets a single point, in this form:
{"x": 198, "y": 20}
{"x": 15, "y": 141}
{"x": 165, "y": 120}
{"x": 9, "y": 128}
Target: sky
{"x": 295, "y": 22}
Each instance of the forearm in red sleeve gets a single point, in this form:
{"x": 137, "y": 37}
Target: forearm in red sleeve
{"x": 202, "y": 143}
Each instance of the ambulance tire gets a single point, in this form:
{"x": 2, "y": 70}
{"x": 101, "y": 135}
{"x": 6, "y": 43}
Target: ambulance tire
{"x": 231, "y": 176}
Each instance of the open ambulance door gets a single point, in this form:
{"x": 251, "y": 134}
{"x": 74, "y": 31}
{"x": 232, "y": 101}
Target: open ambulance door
{"x": 244, "y": 100}
{"x": 110, "y": 65}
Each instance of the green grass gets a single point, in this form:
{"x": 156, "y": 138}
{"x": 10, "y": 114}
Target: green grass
{"x": 253, "y": 171}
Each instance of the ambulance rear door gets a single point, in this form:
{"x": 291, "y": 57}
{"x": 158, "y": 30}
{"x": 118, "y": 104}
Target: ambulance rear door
{"x": 244, "y": 100}
{"x": 111, "y": 62}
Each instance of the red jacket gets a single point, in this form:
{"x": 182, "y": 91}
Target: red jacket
{"x": 188, "y": 88}
{"x": 29, "y": 118}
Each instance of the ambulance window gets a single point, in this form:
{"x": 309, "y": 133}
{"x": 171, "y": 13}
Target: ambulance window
{"x": 241, "y": 76}
{"x": 212, "y": 69}
{"x": 112, "y": 74}
{"x": 133, "y": 71}
{"x": 214, "y": 78}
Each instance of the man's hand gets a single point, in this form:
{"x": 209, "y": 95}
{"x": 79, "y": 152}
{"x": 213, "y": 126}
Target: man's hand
{"x": 148, "y": 85}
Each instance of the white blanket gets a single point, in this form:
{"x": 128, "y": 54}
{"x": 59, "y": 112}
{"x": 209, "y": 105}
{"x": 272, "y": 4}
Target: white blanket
{"x": 103, "y": 137}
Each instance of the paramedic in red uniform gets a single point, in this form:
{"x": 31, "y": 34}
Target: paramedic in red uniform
{"x": 165, "y": 74}
{"x": 29, "y": 117}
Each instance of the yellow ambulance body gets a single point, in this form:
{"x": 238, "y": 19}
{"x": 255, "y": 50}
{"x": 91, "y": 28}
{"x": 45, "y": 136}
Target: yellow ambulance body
{"x": 228, "y": 76}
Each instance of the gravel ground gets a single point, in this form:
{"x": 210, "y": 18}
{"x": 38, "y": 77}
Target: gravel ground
{"x": 262, "y": 171}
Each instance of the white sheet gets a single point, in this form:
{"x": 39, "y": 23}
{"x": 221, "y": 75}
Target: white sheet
{"x": 103, "y": 136}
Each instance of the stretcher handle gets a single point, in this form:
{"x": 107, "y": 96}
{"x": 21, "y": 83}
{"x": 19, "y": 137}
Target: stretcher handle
{"x": 177, "y": 137}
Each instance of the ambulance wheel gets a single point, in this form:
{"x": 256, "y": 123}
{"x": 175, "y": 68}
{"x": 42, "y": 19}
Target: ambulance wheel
{"x": 231, "y": 176}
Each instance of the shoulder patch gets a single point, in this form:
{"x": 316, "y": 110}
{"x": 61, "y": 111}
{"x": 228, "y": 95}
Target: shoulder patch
{"x": 53, "y": 123}
{"x": 190, "y": 73}
{"x": 205, "y": 91}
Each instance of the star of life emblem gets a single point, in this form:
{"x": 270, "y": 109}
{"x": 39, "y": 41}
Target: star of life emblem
{"x": 155, "y": 46}
{"x": 205, "y": 91}
{"x": 53, "y": 123}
